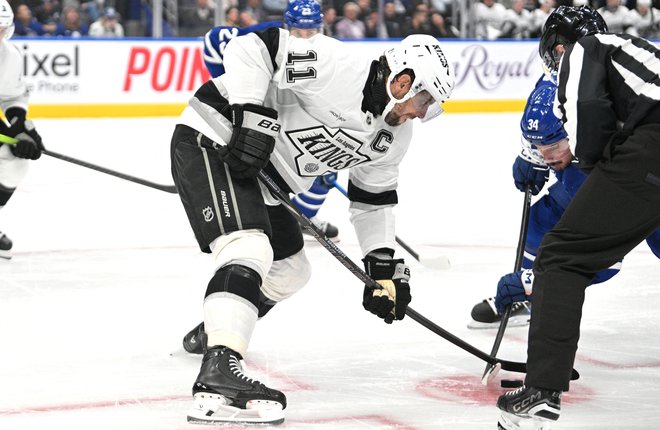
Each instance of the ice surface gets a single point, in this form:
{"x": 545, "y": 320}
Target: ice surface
{"x": 107, "y": 279}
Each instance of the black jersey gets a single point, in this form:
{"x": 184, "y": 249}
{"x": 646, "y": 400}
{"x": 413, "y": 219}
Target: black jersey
{"x": 607, "y": 83}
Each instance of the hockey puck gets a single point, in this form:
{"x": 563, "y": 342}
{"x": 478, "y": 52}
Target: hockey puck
{"x": 511, "y": 383}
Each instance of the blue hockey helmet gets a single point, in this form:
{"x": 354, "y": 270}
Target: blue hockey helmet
{"x": 303, "y": 14}
{"x": 539, "y": 125}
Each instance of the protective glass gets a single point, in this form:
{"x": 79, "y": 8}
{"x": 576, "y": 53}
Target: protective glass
{"x": 556, "y": 155}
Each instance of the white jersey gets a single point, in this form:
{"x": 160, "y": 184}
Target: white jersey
{"x": 13, "y": 91}
{"x": 316, "y": 85}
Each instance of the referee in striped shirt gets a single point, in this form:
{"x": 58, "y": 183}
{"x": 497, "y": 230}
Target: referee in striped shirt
{"x": 609, "y": 101}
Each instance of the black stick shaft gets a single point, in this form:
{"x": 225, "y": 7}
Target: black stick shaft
{"x": 520, "y": 253}
{"x": 166, "y": 188}
{"x": 362, "y": 276}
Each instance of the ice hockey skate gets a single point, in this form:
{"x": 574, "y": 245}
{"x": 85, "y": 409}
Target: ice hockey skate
{"x": 195, "y": 341}
{"x": 5, "y": 246}
{"x": 528, "y": 408}
{"x": 485, "y": 316}
{"x": 223, "y": 394}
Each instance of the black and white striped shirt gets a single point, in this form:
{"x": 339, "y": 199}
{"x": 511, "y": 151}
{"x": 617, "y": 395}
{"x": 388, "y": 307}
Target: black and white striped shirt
{"x": 607, "y": 83}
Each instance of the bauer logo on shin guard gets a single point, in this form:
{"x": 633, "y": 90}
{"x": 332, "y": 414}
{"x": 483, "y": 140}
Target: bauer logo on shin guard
{"x": 208, "y": 214}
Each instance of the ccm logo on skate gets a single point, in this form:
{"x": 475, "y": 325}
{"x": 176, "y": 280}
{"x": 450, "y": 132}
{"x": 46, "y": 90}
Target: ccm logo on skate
{"x": 517, "y": 407}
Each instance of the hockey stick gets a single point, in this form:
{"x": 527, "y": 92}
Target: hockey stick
{"x": 491, "y": 370}
{"x": 167, "y": 188}
{"x": 434, "y": 262}
{"x": 366, "y": 279}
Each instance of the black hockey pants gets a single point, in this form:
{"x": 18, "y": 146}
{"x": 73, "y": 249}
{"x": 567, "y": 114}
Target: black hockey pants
{"x": 616, "y": 208}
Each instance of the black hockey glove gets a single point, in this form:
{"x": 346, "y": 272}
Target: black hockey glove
{"x": 252, "y": 141}
{"x": 390, "y": 302}
{"x": 29, "y": 143}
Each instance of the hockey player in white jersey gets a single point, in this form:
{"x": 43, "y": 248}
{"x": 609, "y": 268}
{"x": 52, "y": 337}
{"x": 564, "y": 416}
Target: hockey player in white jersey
{"x": 19, "y": 141}
{"x": 296, "y": 108}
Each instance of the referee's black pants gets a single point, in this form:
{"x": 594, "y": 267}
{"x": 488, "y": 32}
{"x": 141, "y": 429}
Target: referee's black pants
{"x": 616, "y": 208}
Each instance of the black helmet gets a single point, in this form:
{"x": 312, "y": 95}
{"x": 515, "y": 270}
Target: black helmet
{"x": 565, "y": 26}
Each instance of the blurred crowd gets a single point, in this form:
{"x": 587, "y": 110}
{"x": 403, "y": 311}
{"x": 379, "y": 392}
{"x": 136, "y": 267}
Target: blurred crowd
{"x": 343, "y": 19}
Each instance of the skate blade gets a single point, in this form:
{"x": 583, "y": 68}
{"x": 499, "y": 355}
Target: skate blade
{"x": 519, "y": 321}
{"x": 509, "y": 421}
{"x": 213, "y": 409}
{"x": 5, "y": 255}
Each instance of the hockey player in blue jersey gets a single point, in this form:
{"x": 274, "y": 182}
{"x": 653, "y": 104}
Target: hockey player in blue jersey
{"x": 539, "y": 126}
{"x": 303, "y": 18}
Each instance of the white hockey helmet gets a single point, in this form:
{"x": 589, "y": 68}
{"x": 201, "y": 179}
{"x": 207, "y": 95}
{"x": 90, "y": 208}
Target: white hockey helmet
{"x": 6, "y": 20}
{"x": 433, "y": 73}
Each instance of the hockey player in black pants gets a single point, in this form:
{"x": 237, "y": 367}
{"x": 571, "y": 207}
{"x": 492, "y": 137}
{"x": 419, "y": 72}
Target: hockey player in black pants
{"x": 297, "y": 109}
{"x": 608, "y": 97}
{"x": 19, "y": 140}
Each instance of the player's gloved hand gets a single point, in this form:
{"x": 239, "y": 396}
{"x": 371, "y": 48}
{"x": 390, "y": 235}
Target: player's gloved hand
{"x": 29, "y": 143}
{"x": 390, "y": 302}
{"x": 252, "y": 140}
{"x": 514, "y": 287}
{"x": 16, "y": 117}
{"x": 525, "y": 172}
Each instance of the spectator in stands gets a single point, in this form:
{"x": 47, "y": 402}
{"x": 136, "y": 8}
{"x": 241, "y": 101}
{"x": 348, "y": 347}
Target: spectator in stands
{"x": 48, "y": 12}
{"x": 255, "y": 7}
{"x": 440, "y": 28}
{"x": 443, "y": 7}
{"x": 539, "y": 15}
{"x": 418, "y": 23}
{"x": 233, "y": 17}
{"x": 616, "y": 16}
{"x": 275, "y": 8}
{"x": 645, "y": 20}
{"x": 248, "y": 19}
{"x": 365, "y": 9}
{"x": 195, "y": 21}
{"x": 27, "y": 25}
{"x": 108, "y": 25}
{"x": 71, "y": 25}
{"x": 350, "y": 27}
{"x": 88, "y": 10}
{"x": 372, "y": 25}
{"x": 488, "y": 18}
{"x": 329, "y": 20}
{"x": 393, "y": 25}
{"x": 517, "y": 21}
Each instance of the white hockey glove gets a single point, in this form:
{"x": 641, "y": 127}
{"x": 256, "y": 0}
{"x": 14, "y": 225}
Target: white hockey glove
{"x": 390, "y": 302}
{"x": 252, "y": 140}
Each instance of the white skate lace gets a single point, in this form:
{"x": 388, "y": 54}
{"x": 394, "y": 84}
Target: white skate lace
{"x": 237, "y": 370}
{"x": 516, "y": 391}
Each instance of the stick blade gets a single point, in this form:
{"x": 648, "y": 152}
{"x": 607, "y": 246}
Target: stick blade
{"x": 491, "y": 373}
{"x": 439, "y": 262}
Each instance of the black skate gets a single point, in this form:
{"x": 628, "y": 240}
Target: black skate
{"x": 484, "y": 315}
{"x": 330, "y": 231}
{"x": 5, "y": 246}
{"x": 224, "y": 394}
{"x": 195, "y": 341}
{"x": 528, "y": 408}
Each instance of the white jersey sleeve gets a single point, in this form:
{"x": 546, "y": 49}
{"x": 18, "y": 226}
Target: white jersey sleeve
{"x": 13, "y": 91}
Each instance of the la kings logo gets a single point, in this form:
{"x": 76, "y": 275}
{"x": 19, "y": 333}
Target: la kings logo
{"x": 322, "y": 151}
